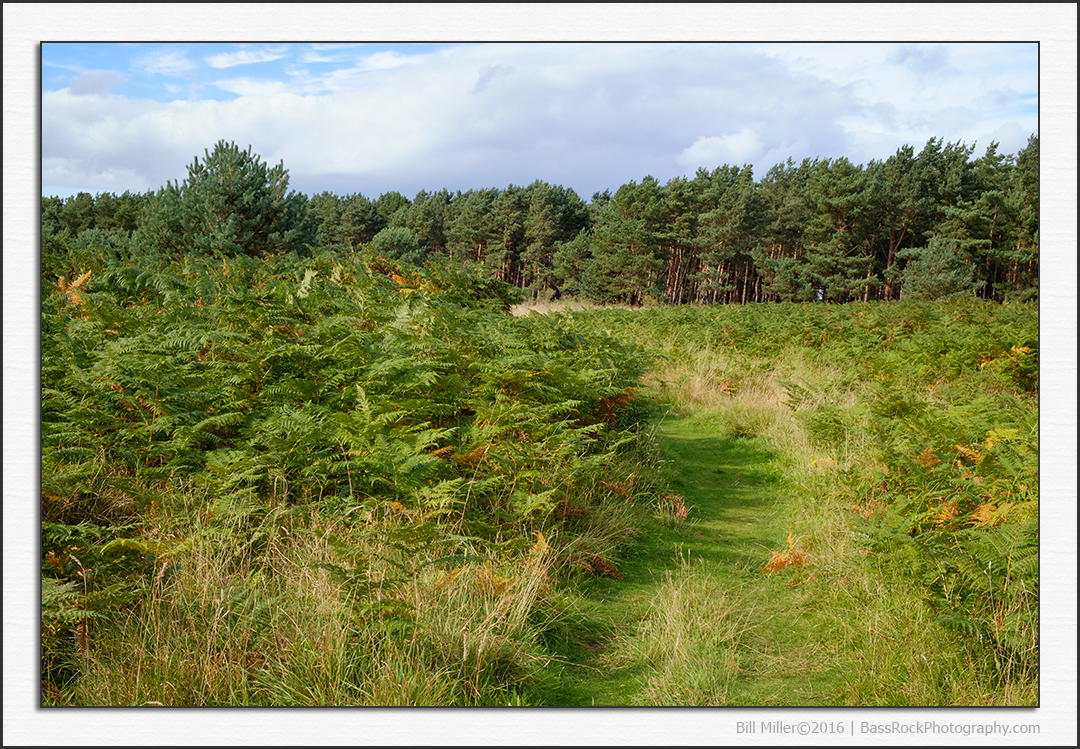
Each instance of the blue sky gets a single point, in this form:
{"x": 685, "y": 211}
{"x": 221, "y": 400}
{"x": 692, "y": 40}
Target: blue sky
{"x": 377, "y": 117}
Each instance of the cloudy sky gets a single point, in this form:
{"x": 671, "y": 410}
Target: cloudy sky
{"x": 372, "y": 118}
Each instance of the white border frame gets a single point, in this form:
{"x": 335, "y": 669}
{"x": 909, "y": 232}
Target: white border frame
{"x": 27, "y": 24}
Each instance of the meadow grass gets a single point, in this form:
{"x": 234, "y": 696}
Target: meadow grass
{"x": 330, "y": 609}
{"x": 776, "y": 598}
{"x": 223, "y": 631}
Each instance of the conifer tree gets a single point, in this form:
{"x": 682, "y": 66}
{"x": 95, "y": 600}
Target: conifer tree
{"x": 939, "y": 271}
{"x": 472, "y": 230}
{"x": 230, "y": 204}
{"x": 398, "y": 243}
{"x": 628, "y": 254}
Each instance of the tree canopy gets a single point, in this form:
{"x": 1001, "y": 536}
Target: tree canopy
{"x": 230, "y": 204}
{"x": 938, "y": 221}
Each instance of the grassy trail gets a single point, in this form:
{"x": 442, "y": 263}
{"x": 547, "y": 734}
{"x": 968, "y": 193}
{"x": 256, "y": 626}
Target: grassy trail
{"x": 759, "y": 643}
{"x": 696, "y": 620}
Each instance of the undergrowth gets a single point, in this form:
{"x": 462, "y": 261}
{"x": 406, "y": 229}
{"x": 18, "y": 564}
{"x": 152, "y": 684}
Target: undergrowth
{"x": 341, "y": 480}
{"x": 221, "y": 436}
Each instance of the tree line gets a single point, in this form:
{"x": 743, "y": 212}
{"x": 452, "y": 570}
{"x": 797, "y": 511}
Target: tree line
{"x": 929, "y": 224}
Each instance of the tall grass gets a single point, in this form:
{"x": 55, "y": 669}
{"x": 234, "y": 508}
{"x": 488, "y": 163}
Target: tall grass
{"x": 866, "y": 621}
{"x": 687, "y": 651}
{"x": 225, "y": 631}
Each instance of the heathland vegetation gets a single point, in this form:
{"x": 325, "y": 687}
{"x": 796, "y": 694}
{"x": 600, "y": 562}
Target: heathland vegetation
{"x": 283, "y": 467}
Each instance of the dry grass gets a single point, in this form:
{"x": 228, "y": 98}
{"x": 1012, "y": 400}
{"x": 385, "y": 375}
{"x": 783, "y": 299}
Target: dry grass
{"x": 562, "y": 305}
{"x": 217, "y": 632}
{"x": 475, "y": 623}
{"x": 223, "y": 631}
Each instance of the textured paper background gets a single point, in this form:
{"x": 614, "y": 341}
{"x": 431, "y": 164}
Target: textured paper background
{"x": 27, "y": 24}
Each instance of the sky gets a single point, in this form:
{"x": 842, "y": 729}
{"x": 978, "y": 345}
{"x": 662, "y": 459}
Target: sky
{"x": 378, "y": 117}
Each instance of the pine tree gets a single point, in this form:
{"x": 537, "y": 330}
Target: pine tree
{"x": 399, "y": 244}
{"x": 231, "y": 204}
{"x": 629, "y": 255}
{"x": 939, "y": 271}
{"x": 835, "y": 257}
{"x": 731, "y": 222}
{"x": 1022, "y": 271}
{"x": 781, "y": 256}
{"x": 471, "y": 232}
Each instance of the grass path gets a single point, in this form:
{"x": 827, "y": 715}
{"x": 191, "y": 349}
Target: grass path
{"x": 757, "y": 641}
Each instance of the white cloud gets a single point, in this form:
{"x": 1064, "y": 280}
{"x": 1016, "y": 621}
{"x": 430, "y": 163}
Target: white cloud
{"x": 166, "y": 62}
{"x": 796, "y": 150}
{"x": 95, "y": 81}
{"x": 487, "y": 73}
{"x": 910, "y": 92}
{"x": 715, "y": 150}
{"x": 923, "y": 60}
{"x": 250, "y": 86}
{"x": 386, "y": 61}
{"x": 245, "y": 57}
{"x": 1010, "y": 136}
{"x": 313, "y": 56}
